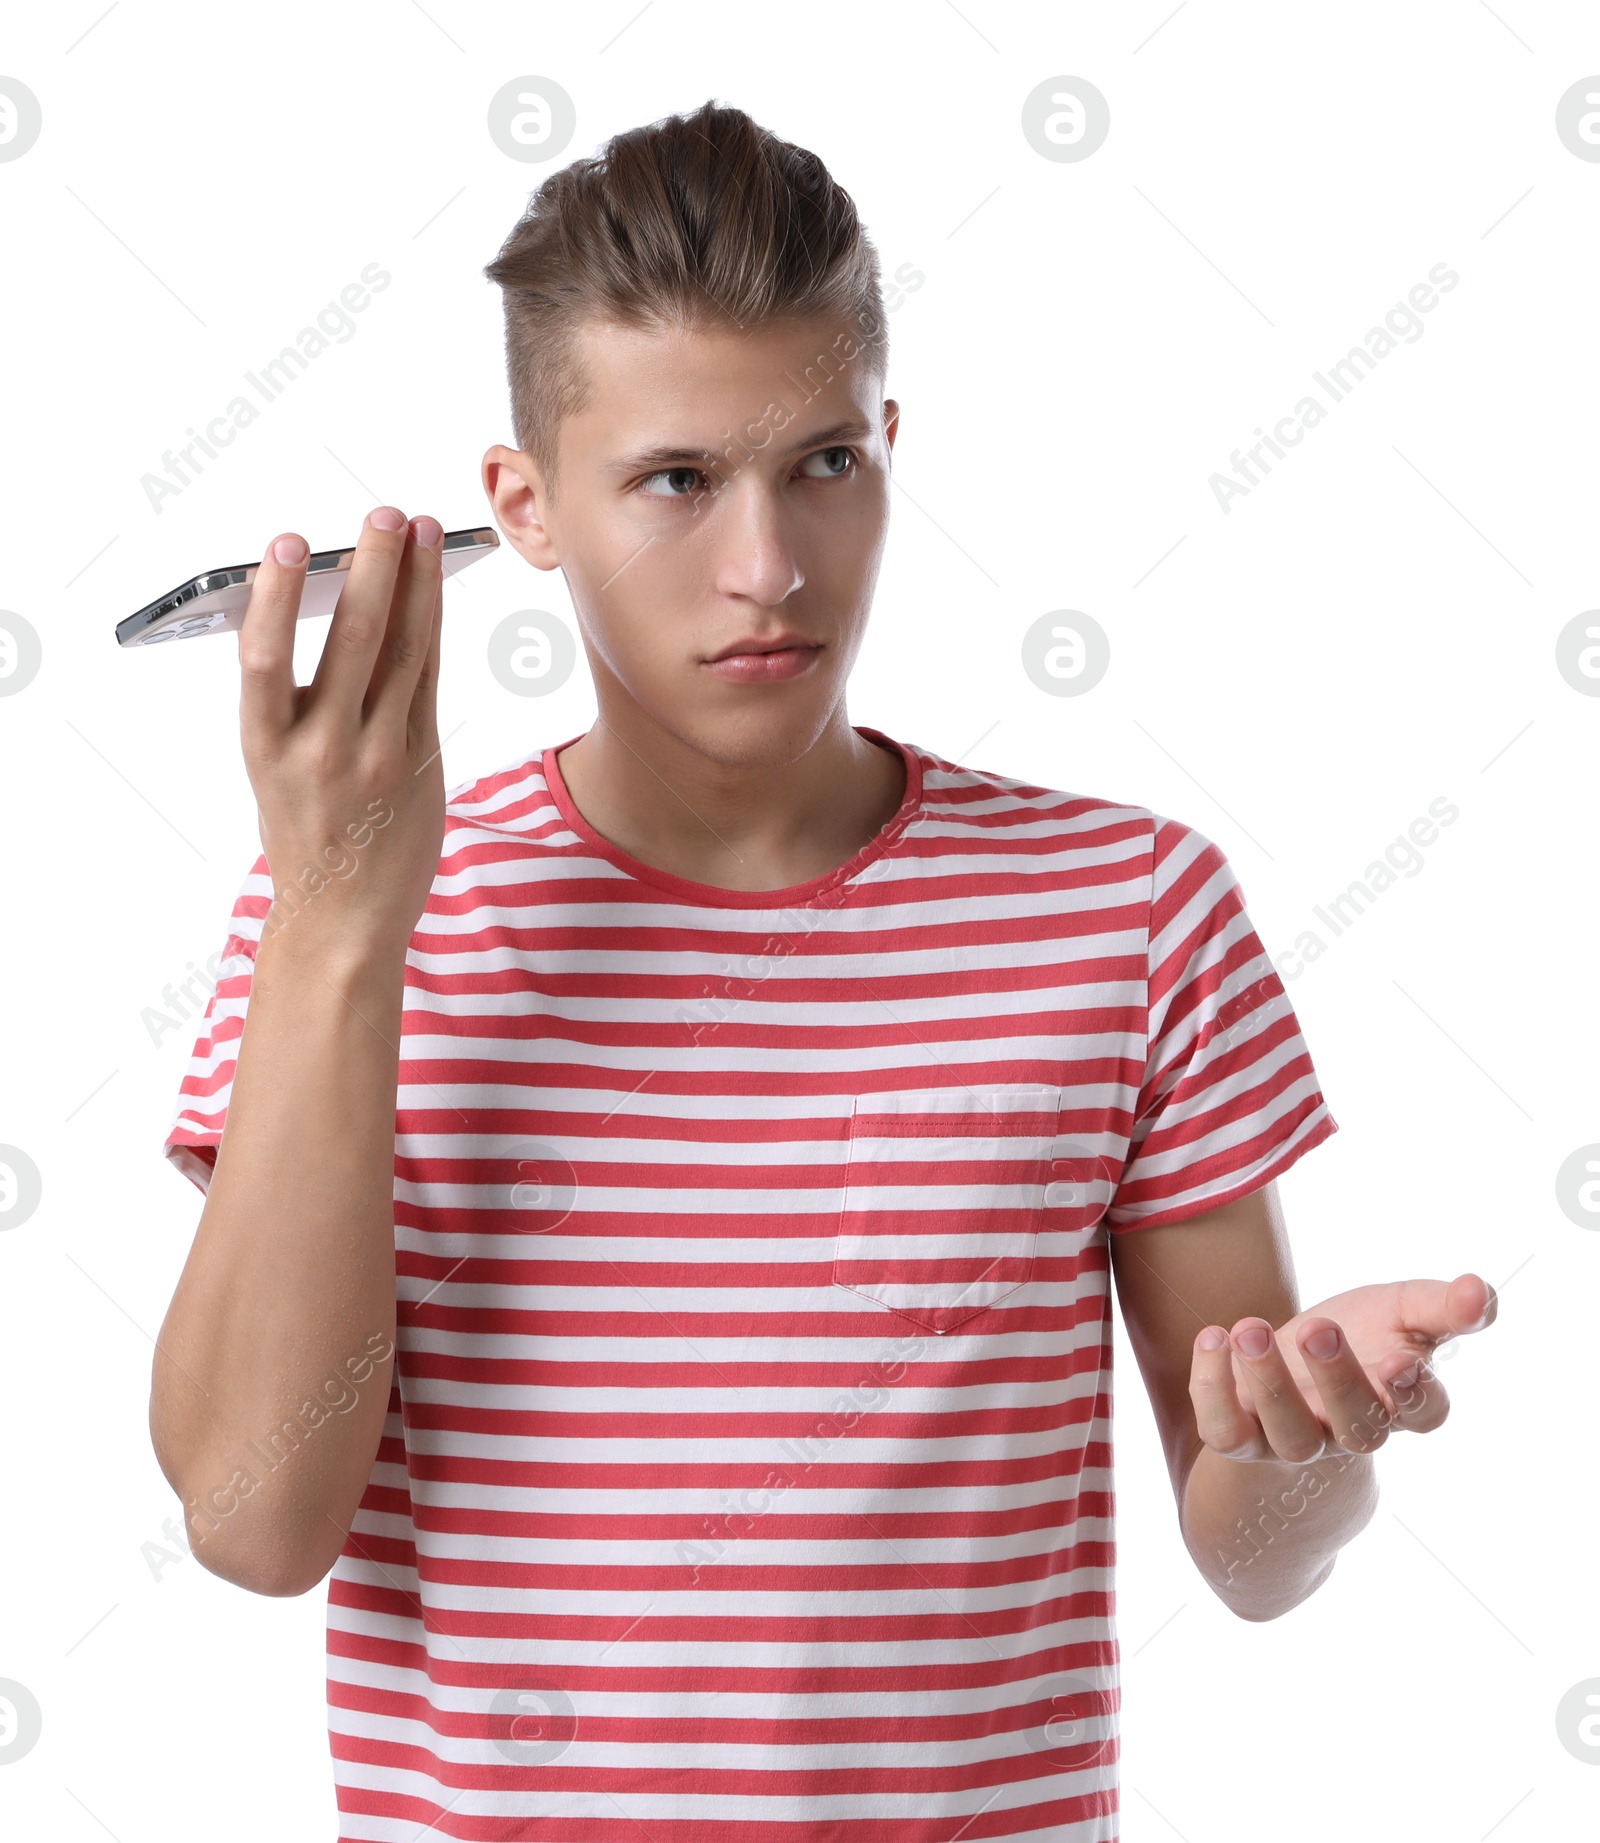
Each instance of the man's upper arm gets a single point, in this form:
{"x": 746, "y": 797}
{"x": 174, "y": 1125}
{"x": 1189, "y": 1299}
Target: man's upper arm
{"x": 1173, "y": 1280}
{"x": 1227, "y": 1101}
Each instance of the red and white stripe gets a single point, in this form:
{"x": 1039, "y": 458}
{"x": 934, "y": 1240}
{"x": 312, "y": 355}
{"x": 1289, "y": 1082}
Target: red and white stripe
{"x": 748, "y": 1470}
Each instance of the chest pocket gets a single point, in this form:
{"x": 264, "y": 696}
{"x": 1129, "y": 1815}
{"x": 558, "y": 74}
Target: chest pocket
{"x": 944, "y": 1194}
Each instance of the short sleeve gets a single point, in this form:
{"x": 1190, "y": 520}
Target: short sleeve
{"x": 1229, "y": 1097}
{"x": 202, "y": 1103}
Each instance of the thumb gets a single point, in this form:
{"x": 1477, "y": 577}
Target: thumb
{"x": 1440, "y": 1309}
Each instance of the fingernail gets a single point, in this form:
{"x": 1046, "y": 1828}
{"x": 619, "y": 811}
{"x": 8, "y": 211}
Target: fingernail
{"x": 290, "y": 551}
{"x": 427, "y": 531}
{"x": 1405, "y": 1378}
{"x": 1254, "y": 1341}
{"x": 387, "y": 519}
{"x": 1323, "y": 1344}
{"x": 1212, "y": 1339}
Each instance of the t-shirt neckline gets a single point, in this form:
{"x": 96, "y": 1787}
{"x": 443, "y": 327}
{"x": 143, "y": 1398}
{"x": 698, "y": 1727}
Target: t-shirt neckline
{"x": 711, "y": 895}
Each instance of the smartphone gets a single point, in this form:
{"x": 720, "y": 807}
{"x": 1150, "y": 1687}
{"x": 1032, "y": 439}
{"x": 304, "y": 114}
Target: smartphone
{"x": 216, "y": 600}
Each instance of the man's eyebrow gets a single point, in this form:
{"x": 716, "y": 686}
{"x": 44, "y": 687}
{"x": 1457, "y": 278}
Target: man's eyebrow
{"x": 666, "y": 454}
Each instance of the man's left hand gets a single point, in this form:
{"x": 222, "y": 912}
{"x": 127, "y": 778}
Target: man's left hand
{"x": 1338, "y": 1377}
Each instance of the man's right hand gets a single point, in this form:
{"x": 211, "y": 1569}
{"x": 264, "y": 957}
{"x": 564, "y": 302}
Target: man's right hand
{"x": 346, "y": 771}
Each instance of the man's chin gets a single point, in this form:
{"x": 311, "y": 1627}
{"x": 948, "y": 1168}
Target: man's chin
{"x": 775, "y": 733}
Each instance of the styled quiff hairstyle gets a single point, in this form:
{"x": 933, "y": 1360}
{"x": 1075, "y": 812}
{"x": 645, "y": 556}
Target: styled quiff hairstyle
{"x": 701, "y": 222}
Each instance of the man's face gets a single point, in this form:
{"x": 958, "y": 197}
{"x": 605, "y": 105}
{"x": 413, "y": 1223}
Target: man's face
{"x": 706, "y": 499}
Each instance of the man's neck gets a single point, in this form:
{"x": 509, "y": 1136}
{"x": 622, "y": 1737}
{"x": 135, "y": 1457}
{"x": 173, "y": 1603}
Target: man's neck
{"x": 734, "y": 825}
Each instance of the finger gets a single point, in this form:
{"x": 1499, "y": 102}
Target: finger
{"x": 361, "y": 615}
{"x": 410, "y": 631}
{"x": 1438, "y": 1309}
{"x": 1293, "y": 1429}
{"x": 266, "y": 644}
{"x": 1472, "y": 1284}
{"x": 1220, "y": 1418}
{"x": 1419, "y": 1398}
{"x": 1435, "y": 1313}
{"x": 1358, "y": 1415}
{"x": 424, "y": 702}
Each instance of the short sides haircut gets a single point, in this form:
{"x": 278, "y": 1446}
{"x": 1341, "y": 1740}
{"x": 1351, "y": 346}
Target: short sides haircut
{"x": 700, "y": 221}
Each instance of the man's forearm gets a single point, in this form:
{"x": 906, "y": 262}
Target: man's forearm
{"x": 1265, "y": 1533}
{"x": 290, "y": 1282}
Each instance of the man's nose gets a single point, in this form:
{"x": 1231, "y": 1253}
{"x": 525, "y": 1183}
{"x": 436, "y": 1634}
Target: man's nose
{"x": 756, "y": 553}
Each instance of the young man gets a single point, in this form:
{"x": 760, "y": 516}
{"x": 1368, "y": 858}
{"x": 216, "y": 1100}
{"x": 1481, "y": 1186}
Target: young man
{"x": 658, "y": 1257}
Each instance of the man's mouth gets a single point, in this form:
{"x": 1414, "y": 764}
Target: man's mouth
{"x": 764, "y": 662}
{"x": 772, "y": 643}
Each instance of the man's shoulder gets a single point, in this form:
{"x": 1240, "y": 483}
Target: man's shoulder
{"x": 515, "y": 796}
{"x": 962, "y": 793}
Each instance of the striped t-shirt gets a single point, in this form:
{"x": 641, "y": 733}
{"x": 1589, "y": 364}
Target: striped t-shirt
{"x": 747, "y": 1475}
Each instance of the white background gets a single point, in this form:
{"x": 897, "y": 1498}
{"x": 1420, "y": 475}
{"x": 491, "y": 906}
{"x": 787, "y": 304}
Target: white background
{"x": 1372, "y": 628}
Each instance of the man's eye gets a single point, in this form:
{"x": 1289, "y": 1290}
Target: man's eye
{"x": 691, "y": 474}
{"x": 684, "y": 482}
{"x": 823, "y": 454}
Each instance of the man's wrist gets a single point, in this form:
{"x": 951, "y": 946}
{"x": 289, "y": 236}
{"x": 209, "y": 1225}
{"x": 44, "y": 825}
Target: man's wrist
{"x": 347, "y": 959}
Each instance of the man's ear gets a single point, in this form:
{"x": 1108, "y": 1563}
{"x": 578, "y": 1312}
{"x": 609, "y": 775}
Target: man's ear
{"x": 516, "y": 492}
{"x": 891, "y": 420}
